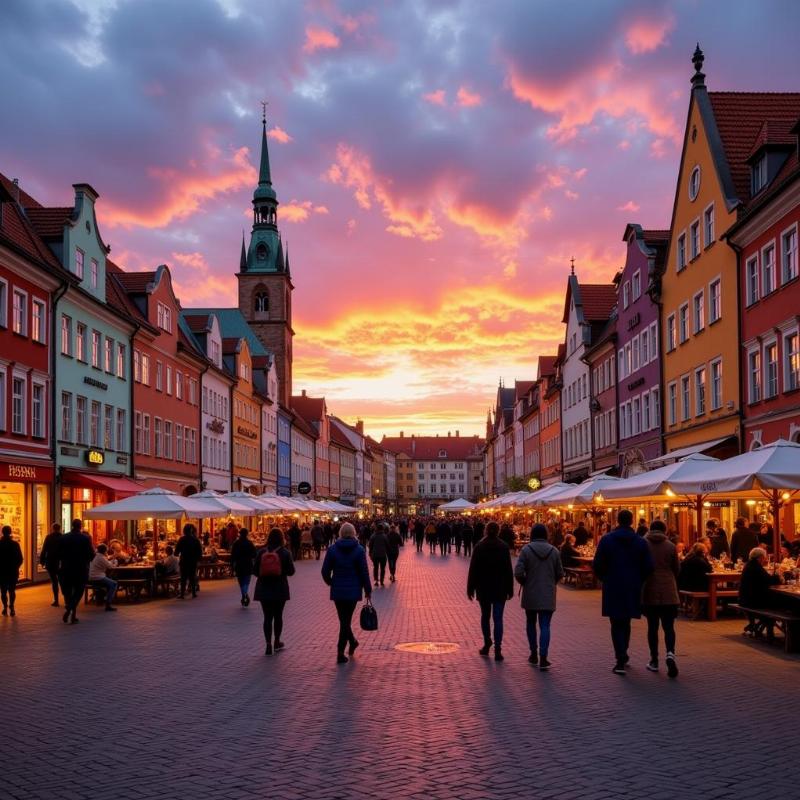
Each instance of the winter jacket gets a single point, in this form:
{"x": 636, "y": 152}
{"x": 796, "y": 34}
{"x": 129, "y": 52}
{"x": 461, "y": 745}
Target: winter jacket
{"x": 394, "y": 544}
{"x": 243, "y": 551}
{"x": 743, "y": 541}
{"x": 189, "y": 549}
{"x": 581, "y": 535}
{"x": 719, "y": 544}
{"x": 539, "y": 569}
{"x": 345, "y": 570}
{"x": 693, "y": 573}
{"x": 48, "y": 558}
{"x": 75, "y": 553}
{"x": 491, "y": 576}
{"x": 273, "y": 587}
{"x": 661, "y": 586}
{"x": 754, "y": 590}
{"x": 568, "y": 555}
{"x": 622, "y": 562}
{"x": 10, "y": 559}
{"x": 317, "y": 535}
{"x": 378, "y": 545}
{"x": 419, "y": 531}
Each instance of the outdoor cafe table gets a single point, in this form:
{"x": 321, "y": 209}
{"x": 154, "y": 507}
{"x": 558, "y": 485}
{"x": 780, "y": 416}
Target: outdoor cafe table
{"x": 792, "y": 592}
{"x": 587, "y": 560}
{"x": 715, "y": 580}
{"x": 220, "y": 567}
{"x": 135, "y": 577}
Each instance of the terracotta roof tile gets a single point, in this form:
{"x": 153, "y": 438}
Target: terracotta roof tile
{"x": 740, "y": 117}
{"x": 49, "y": 222}
{"x": 598, "y": 301}
{"x": 656, "y": 233}
{"x": 230, "y": 345}
{"x": 304, "y": 426}
{"x": 311, "y": 409}
{"x": 197, "y": 323}
{"x": 25, "y": 200}
{"x": 136, "y": 282}
{"x": 522, "y": 388}
{"x": 547, "y": 365}
{"x": 427, "y": 448}
{"x": 338, "y": 438}
{"x": 17, "y": 230}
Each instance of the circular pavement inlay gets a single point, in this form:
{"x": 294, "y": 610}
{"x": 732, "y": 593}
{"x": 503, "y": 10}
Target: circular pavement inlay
{"x": 427, "y": 648}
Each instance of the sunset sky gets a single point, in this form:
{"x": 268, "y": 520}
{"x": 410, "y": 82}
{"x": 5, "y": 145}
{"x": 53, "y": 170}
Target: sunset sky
{"x": 437, "y": 163}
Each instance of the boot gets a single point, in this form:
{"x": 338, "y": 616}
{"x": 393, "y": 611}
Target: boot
{"x": 498, "y": 653}
{"x": 487, "y": 646}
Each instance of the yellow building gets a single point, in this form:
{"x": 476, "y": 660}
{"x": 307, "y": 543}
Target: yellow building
{"x": 699, "y": 293}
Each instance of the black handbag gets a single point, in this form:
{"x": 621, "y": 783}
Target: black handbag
{"x": 368, "y": 617}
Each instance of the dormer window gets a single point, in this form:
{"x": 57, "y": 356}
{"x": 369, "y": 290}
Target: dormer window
{"x": 79, "y": 263}
{"x": 760, "y": 174}
{"x": 164, "y": 318}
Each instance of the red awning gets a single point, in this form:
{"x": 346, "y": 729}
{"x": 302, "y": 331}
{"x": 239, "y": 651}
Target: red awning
{"x": 121, "y": 487}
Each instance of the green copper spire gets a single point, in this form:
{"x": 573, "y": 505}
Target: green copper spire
{"x": 263, "y": 173}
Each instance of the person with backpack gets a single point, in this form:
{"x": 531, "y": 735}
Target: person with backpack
{"x": 622, "y": 562}
{"x": 491, "y": 579}
{"x": 538, "y": 571}
{"x": 273, "y": 566}
{"x": 345, "y": 570}
{"x": 243, "y": 553}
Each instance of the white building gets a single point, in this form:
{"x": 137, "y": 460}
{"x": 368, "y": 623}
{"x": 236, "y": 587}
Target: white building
{"x": 363, "y": 476}
{"x": 303, "y": 439}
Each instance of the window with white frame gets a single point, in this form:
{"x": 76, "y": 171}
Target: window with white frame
{"x": 167, "y": 439}
{"x": 145, "y": 369}
{"x": 3, "y": 303}
{"x": 768, "y": 270}
{"x": 716, "y": 384}
{"x": 108, "y": 427}
{"x": 715, "y": 300}
{"x": 708, "y": 225}
{"x": 93, "y": 273}
{"x": 179, "y": 442}
{"x": 635, "y": 354}
{"x": 79, "y": 263}
{"x": 754, "y": 375}
{"x": 759, "y": 173}
{"x": 169, "y": 379}
{"x": 66, "y": 416}
{"x": 94, "y": 435}
{"x": 671, "y": 343}
{"x": 644, "y": 347}
{"x": 770, "y": 369}
{"x": 18, "y": 418}
{"x": 791, "y": 361}
{"x": 655, "y": 406}
{"x": 626, "y": 294}
{"x": 120, "y": 360}
{"x": 146, "y": 434}
{"x": 672, "y": 402}
{"x": 178, "y": 385}
{"x": 694, "y": 239}
{"x": 66, "y": 335}
{"x": 159, "y": 368}
{"x": 164, "y": 314}
{"x": 698, "y": 311}
{"x": 80, "y": 342}
{"x": 683, "y": 323}
{"x": 137, "y": 432}
{"x": 636, "y": 284}
{"x": 19, "y": 312}
{"x": 751, "y": 280}
{"x": 38, "y": 321}
{"x": 81, "y": 420}
{"x": 621, "y": 364}
{"x": 157, "y": 435}
{"x": 789, "y": 255}
{"x": 37, "y": 410}
{"x": 681, "y": 252}
{"x": 121, "y": 429}
{"x": 96, "y": 349}
{"x": 108, "y": 354}
{"x": 637, "y": 416}
{"x": 647, "y": 422}
{"x": 700, "y": 391}
{"x": 686, "y": 405}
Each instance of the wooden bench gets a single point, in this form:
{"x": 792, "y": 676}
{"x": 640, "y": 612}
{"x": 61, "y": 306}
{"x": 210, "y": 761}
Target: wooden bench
{"x": 94, "y": 593}
{"x": 580, "y": 577}
{"x": 133, "y": 587}
{"x": 169, "y": 584}
{"x": 692, "y": 602}
{"x": 786, "y": 622}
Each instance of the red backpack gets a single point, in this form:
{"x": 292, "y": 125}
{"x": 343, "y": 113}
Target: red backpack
{"x": 270, "y": 565}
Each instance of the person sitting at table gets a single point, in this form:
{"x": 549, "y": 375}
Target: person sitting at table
{"x": 582, "y": 536}
{"x": 719, "y": 540}
{"x": 766, "y": 537}
{"x": 693, "y": 574}
{"x": 569, "y": 552}
{"x": 98, "y": 576}
{"x": 169, "y": 566}
{"x": 680, "y": 548}
{"x": 754, "y": 592}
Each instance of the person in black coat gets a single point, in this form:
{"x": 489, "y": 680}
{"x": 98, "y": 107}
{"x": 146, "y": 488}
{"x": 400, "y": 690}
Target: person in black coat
{"x": 719, "y": 540}
{"x": 393, "y": 551}
{"x": 743, "y": 539}
{"x": 75, "y": 553}
{"x": 694, "y": 570}
{"x": 582, "y": 536}
{"x": 272, "y": 590}
{"x": 10, "y": 562}
{"x": 444, "y": 534}
{"x": 508, "y": 536}
{"x": 477, "y": 532}
{"x": 317, "y": 537}
{"x": 469, "y": 534}
{"x": 189, "y": 551}
{"x": 243, "y": 553}
{"x": 491, "y": 579}
{"x": 295, "y": 537}
{"x": 754, "y": 591}
{"x": 419, "y": 534}
{"x": 48, "y": 558}
{"x": 569, "y": 552}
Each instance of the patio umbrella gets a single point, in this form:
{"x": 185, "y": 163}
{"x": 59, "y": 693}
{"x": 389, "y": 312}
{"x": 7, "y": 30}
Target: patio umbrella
{"x": 274, "y": 502}
{"x": 541, "y": 496}
{"x": 586, "y": 493}
{"x": 157, "y": 504}
{"x": 339, "y": 508}
{"x": 457, "y": 505}
{"x": 249, "y": 501}
{"x": 224, "y": 501}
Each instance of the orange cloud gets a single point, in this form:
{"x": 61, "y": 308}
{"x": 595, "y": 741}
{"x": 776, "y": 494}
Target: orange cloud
{"x": 196, "y": 283}
{"x": 279, "y": 135}
{"x": 629, "y": 206}
{"x": 300, "y": 211}
{"x": 181, "y": 193}
{"x": 466, "y": 99}
{"x": 435, "y": 98}
{"x": 320, "y": 39}
{"x": 645, "y": 35}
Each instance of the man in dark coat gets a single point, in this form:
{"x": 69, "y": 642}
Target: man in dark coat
{"x": 754, "y": 592}
{"x": 469, "y": 535}
{"x": 694, "y": 570}
{"x": 582, "y": 536}
{"x": 294, "y": 535}
{"x": 719, "y": 539}
{"x": 743, "y": 540}
{"x": 317, "y": 537}
{"x": 10, "y": 562}
{"x": 75, "y": 553}
{"x": 395, "y": 542}
{"x": 444, "y": 534}
{"x": 622, "y": 562}
{"x": 243, "y": 553}
{"x": 48, "y": 558}
{"x": 189, "y": 551}
{"x": 379, "y": 553}
{"x": 419, "y": 534}
{"x": 491, "y": 578}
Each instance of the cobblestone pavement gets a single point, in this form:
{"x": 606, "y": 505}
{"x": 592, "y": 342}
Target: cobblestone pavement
{"x": 175, "y": 699}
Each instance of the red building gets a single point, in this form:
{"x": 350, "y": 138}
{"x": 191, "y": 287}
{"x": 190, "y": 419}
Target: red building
{"x": 766, "y": 240}
{"x": 529, "y": 419}
{"x": 29, "y": 274}
{"x": 549, "y": 379}
{"x": 166, "y": 388}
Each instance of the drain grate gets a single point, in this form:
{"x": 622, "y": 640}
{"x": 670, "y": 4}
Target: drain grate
{"x": 427, "y": 648}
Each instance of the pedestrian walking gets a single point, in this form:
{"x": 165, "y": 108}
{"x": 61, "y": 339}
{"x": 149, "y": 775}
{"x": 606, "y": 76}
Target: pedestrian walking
{"x": 444, "y": 536}
{"x": 99, "y": 578}
{"x": 295, "y": 538}
{"x": 243, "y": 554}
{"x": 345, "y": 571}
{"x": 273, "y": 566}
{"x": 491, "y": 579}
{"x": 395, "y": 542}
{"x": 75, "y": 553}
{"x": 469, "y": 533}
{"x": 430, "y": 537}
{"x": 317, "y": 538}
{"x": 379, "y": 553}
{"x": 403, "y": 528}
{"x": 458, "y": 536}
{"x": 189, "y": 551}
{"x": 622, "y": 562}
{"x": 419, "y": 534}
{"x": 538, "y": 571}
{"x": 660, "y": 598}
{"x": 48, "y": 558}
{"x": 10, "y": 562}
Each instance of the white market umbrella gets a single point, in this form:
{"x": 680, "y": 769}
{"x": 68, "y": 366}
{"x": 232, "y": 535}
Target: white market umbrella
{"x": 588, "y": 493}
{"x": 230, "y": 504}
{"x": 339, "y": 508}
{"x": 457, "y": 505}
{"x": 661, "y": 481}
{"x": 157, "y": 504}
{"x": 274, "y": 503}
{"x": 541, "y": 496}
{"x": 249, "y": 501}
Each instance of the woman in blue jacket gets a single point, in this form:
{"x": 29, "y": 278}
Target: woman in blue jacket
{"x": 345, "y": 571}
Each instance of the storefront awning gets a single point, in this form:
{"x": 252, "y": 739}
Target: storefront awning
{"x": 674, "y": 455}
{"x": 121, "y": 487}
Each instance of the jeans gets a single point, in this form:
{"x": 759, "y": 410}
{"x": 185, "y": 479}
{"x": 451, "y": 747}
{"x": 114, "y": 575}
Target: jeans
{"x": 54, "y": 583}
{"x": 495, "y": 609}
{"x": 188, "y": 575}
{"x": 273, "y": 617}
{"x": 72, "y": 587}
{"x": 379, "y": 566}
{"x": 621, "y": 637}
{"x": 244, "y": 583}
{"x": 8, "y": 591}
{"x": 345, "y": 610}
{"x": 544, "y": 618}
{"x": 665, "y": 615}
{"x": 392, "y": 565}
{"x": 109, "y": 585}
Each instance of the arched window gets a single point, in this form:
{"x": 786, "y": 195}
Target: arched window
{"x": 262, "y": 251}
{"x": 261, "y": 303}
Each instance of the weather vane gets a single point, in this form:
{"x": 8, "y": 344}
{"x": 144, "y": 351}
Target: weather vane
{"x": 264, "y": 111}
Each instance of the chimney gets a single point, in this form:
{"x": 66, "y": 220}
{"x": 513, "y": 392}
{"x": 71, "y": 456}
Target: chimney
{"x": 458, "y": 433}
{"x": 303, "y": 393}
{"x": 360, "y": 426}
{"x": 448, "y": 434}
{"x": 15, "y": 182}
{"x": 401, "y": 434}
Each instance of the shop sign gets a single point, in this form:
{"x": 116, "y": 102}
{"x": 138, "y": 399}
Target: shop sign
{"x": 304, "y": 487}
{"x": 706, "y": 504}
{"x": 25, "y": 473}
{"x": 634, "y": 321}
{"x": 94, "y": 382}
{"x": 95, "y": 457}
{"x": 246, "y": 433}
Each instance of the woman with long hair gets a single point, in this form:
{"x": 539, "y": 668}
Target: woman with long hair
{"x": 273, "y": 566}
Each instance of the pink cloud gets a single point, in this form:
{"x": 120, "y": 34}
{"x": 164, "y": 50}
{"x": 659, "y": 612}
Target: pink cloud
{"x": 320, "y": 39}
{"x": 466, "y": 99}
{"x": 300, "y": 211}
{"x": 645, "y": 35}
{"x": 435, "y": 98}
{"x": 629, "y": 206}
{"x": 279, "y": 135}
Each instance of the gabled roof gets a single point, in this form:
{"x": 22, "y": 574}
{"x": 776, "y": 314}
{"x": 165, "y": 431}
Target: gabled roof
{"x": 340, "y": 440}
{"x": 197, "y": 323}
{"x": 427, "y": 448}
{"x": 521, "y": 388}
{"x": 598, "y": 301}
{"x": 311, "y": 409}
{"x": 547, "y": 366}
{"x": 136, "y": 282}
{"x": 118, "y": 298}
{"x": 301, "y": 424}
{"x": 232, "y": 324}
{"x": 18, "y": 232}
{"x": 231, "y": 345}
{"x": 15, "y": 190}
{"x": 49, "y": 222}
{"x": 655, "y": 234}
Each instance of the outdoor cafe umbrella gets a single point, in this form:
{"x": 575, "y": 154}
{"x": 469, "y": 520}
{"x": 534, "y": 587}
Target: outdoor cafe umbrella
{"x": 457, "y": 505}
{"x": 586, "y": 493}
{"x": 249, "y": 501}
{"x": 542, "y": 496}
{"x": 772, "y": 470}
{"x": 339, "y": 508}
{"x": 232, "y": 505}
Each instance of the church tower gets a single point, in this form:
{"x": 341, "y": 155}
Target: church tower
{"x": 265, "y": 280}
